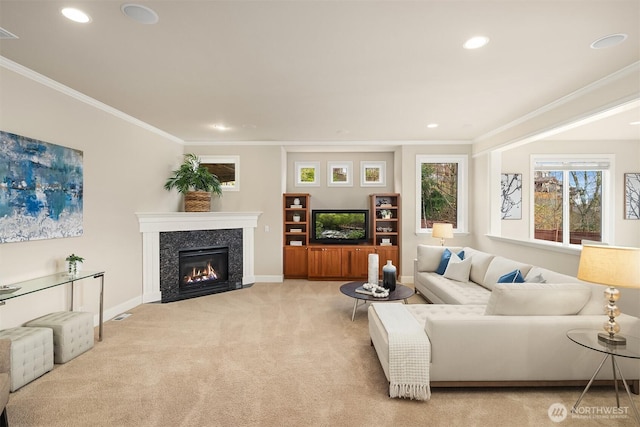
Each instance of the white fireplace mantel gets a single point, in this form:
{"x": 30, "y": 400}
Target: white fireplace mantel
{"x": 152, "y": 224}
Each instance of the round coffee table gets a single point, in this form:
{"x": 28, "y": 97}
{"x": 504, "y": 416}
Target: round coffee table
{"x": 401, "y": 292}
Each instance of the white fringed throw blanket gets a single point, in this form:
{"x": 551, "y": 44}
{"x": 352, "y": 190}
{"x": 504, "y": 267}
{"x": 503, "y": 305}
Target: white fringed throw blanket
{"x": 409, "y": 353}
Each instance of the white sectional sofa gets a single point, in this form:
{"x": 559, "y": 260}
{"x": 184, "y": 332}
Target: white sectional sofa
{"x": 482, "y": 333}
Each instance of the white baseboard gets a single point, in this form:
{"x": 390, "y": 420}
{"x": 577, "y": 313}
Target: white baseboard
{"x": 112, "y": 312}
{"x": 270, "y": 279}
{"x": 152, "y": 297}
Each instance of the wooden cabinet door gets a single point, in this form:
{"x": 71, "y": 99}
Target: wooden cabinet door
{"x": 388, "y": 252}
{"x": 295, "y": 262}
{"x": 324, "y": 262}
{"x": 355, "y": 262}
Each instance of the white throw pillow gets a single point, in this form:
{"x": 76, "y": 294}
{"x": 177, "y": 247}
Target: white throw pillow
{"x": 537, "y": 299}
{"x": 535, "y": 279}
{"x": 458, "y": 269}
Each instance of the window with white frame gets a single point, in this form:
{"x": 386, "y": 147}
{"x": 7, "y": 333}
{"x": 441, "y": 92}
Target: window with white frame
{"x": 570, "y": 198}
{"x": 226, "y": 168}
{"x": 441, "y": 189}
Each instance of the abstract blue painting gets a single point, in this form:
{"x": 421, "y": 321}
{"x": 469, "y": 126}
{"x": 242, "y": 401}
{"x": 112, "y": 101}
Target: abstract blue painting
{"x": 40, "y": 190}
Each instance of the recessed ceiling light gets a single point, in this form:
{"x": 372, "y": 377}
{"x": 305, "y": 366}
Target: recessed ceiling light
{"x": 220, "y": 127}
{"x": 635, "y": 123}
{"x": 476, "y": 42}
{"x": 608, "y": 41}
{"x": 76, "y": 15}
{"x": 139, "y": 13}
{"x": 432, "y": 125}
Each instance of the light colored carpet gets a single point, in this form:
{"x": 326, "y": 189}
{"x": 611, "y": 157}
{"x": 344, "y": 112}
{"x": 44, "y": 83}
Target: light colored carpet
{"x": 277, "y": 354}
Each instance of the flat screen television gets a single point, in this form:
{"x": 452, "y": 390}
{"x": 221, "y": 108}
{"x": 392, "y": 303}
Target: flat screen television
{"x": 340, "y": 226}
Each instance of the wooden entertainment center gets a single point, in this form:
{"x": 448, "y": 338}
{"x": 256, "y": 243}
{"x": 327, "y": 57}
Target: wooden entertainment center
{"x": 303, "y": 259}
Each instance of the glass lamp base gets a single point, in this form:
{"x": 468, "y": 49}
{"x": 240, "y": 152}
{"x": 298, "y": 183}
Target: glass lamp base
{"x": 611, "y": 339}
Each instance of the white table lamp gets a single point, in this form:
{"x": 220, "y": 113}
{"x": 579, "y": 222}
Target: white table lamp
{"x": 612, "y": 266}
{"x": 442, "y": 230}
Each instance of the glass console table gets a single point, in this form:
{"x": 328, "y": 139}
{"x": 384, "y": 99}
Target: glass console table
{"x": 51, "y": 281}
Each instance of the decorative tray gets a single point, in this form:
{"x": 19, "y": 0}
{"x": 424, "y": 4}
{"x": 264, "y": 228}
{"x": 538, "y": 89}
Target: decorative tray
{"x": 7, "y": 289}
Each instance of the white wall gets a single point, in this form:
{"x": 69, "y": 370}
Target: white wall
{"x": 260, "y": 191}
{"x": 626, "y": 232}
{"x": 627, "y": 159}
{"x": 125, "y": 168}
{"x": 410, "y": 239}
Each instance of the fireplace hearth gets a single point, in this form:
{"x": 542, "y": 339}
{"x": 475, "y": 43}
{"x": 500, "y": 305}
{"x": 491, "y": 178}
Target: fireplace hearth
{"x": 200, "y": 262}
{"x": 164, "y": 233}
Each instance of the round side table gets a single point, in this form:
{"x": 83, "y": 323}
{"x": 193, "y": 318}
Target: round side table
{"x": 589, "y": 338}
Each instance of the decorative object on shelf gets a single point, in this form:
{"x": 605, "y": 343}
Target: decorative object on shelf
{"x": 442, "y": 230}
{"x": 389, "y": 276}
{"x": 73, "y": 264}
{"x": 196, "y": 183}
{"x": 296, "y": 202}
{"x": 296, "y": 217}
{"x": 295, "y": 243}
{"x": 385, "y": 214}
{"x": 374, "y": 265}
{"x": 610, "y": 266}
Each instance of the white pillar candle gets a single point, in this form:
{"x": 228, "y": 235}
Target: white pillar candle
{"x": 373, "y": 269}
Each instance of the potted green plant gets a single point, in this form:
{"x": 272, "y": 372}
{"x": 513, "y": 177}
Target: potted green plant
{"x": 73, "y": 262}
{"x": 196, "y": 183}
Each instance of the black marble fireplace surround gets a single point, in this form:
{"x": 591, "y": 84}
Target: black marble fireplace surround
{"x": 172, "y": 242}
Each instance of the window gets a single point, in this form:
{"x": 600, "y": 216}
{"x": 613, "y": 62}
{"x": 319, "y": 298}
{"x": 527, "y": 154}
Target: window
{"x": 442, "y": 191}
{"x": 226, "y": 168}
{"x": 570, "y": 199}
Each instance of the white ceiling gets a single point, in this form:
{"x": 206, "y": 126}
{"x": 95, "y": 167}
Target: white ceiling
{"x": 329, "y": 70}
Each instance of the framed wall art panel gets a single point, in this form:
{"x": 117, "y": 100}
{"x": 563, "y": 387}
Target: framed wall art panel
{"x": 339, "y": 174}
{"x": 372, "y": 174}
{"x": 632, "y": 195}
{"x": 511, "y": 193}
{"x": 41, "y": 189}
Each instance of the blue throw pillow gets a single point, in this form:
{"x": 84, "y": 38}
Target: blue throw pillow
{"x": 444, "y": 261}
{"x": 514, "y": 277}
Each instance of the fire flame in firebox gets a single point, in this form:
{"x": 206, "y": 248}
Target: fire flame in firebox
{"x": 201, "y": 274}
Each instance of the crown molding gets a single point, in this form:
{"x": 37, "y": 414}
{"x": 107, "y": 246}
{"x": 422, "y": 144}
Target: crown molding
{"x": 633, "y": 68}
{"x": 66, "y": 90}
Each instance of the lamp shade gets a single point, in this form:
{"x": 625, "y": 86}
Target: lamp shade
{"x": 610, "y": 265}
{"x": 442, "y": 230}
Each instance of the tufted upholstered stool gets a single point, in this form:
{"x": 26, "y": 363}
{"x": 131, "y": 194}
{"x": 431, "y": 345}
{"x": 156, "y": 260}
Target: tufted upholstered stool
{"x": 72, "y": 333}
{"x": 31, "y": 353}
